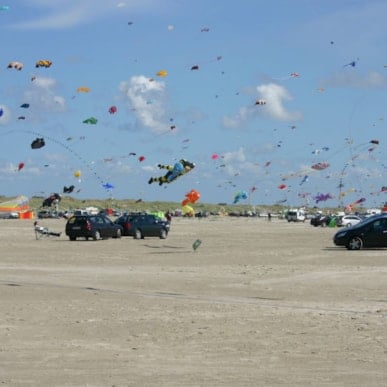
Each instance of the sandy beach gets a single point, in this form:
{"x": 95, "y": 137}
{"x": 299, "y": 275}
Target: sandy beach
{"x": 257, "y": 304}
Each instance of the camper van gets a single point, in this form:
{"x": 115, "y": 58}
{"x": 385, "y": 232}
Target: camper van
{"x": 296, "y": 215}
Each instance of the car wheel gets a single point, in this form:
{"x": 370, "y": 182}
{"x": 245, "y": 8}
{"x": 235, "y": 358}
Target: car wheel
{"x": 137, "y": 234}
{"x": 72, "y": 238}
{"x": 163, "y": 234}
{"x": 355, "y": 243}
{"x": 96, "y": 235}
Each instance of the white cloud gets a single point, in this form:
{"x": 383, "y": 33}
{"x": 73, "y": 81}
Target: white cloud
{"x": 275, "y": 95}
{"x": 353, "y": 79}
{"x": 41, "y": 95}
{"x": 146, "y": 99}
{"x": 60, "y": 14}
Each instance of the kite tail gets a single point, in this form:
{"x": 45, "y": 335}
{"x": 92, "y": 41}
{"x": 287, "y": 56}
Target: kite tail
{"x": 165, "y": 166}
{"x": 161, "y": 180}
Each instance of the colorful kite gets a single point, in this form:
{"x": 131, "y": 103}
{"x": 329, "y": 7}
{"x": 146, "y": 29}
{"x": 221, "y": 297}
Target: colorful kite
{"x": 15, "y": 65}
{"x": 43, "y": 63}
{"x": 90, "y": 120}
{"x": 191, "y": 197}
{"x": 174, "y": 171}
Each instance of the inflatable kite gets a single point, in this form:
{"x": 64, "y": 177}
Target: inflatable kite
{"x": 174, "y": 171}
{"x": 38, "y": 143}
{"x": 54, "y": 198}
{"x": 15, "y": 65}
{"x": 241, "y": 195}
{"x": 43, "y": 63}
{"x": 191, "y": 197}
{"x": 91, "y": 121}
{"x": 68, "y": 189}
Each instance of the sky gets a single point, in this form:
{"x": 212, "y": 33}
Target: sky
{"x": 277, "y": 101}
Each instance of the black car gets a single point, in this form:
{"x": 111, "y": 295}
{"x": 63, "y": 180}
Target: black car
{"x": 92, "y": 226}
{"x": 371, "y": 232}
{"x": 320, "y": 220}
{"x": 143, "y": 225}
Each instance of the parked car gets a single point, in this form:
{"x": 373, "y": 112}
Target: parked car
{"x": 320, "y": 220}
{"x": 92, "y": 226}
{"x": 45, "y": 214}
{"x": 349, "y": 220}
{"x": 371, "y": 232}
{"x": 9, "y": 215}
{"x": 296, "y": 215}
{"x": 139, "y": 225}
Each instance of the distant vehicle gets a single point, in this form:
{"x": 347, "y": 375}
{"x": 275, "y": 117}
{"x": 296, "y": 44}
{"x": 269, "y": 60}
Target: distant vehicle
{"x": 44, "y": 214}
{"x": 139, "y": 225}
{"x": 320, "y": 220}
{"x": 349, "y": 220}
{"x": 92, "y": 226}
{"x": 296, "y": 215}
{"x": 9, "y": 215}
{"x": 371, "y": 232}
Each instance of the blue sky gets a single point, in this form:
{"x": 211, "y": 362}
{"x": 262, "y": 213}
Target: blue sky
{"x": 319, "y": 67}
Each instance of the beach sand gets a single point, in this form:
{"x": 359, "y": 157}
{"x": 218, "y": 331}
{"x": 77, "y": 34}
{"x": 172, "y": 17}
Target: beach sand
{"x": 258, "y": 303}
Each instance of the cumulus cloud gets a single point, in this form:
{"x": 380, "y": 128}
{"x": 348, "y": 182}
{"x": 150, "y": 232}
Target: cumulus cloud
{"x": 275, "y": 96}
{"x": 41, "y": 94}
{"x": 147, "y": 100}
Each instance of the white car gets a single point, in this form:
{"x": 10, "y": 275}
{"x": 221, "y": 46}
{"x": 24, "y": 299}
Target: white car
{"x": 350, "y": 220}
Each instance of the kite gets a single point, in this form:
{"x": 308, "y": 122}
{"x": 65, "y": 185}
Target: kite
{"x": 352, "y": 64}
{"x": 141, "y": 158}
{"x": 91, "y": 121}
{"x": 20, "y": 166}
{"x": 21, "y": 118}
{"x": 282, "y": 186}
{"x": 260, "y": 102}
{"x": 322, "y": 197}
{"x": 195, "y": 67}
{"x": 376, "y": 142}
{"x": 38, "y": 143}
{"x": 54, "y": 198}
{"x": 43, "y": 63}
{"x": 191, "y": 197}
{"x": 320, "y": 166}
{"x": 78, "y": 174}
{"x": 174, "y": 171}
{"x": 108, "y": 186}
{"x": 294, "y": 75}
{"x": 241, "y": 195}
{"x": 304, "y": 179}
{"x": 1, "y": 112}
{"x": 162, "y": 73}
{"x": 83, "y": 89}
{"x": 112, "y": 110}
{"x": 4, "y": 8}
{"x": 68, "y": 189}
{"x": 188, "y": 211}
{"x": 15, "y": 65}
{"x": 205, "y": 29}
{"x": 25, "y": 105}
